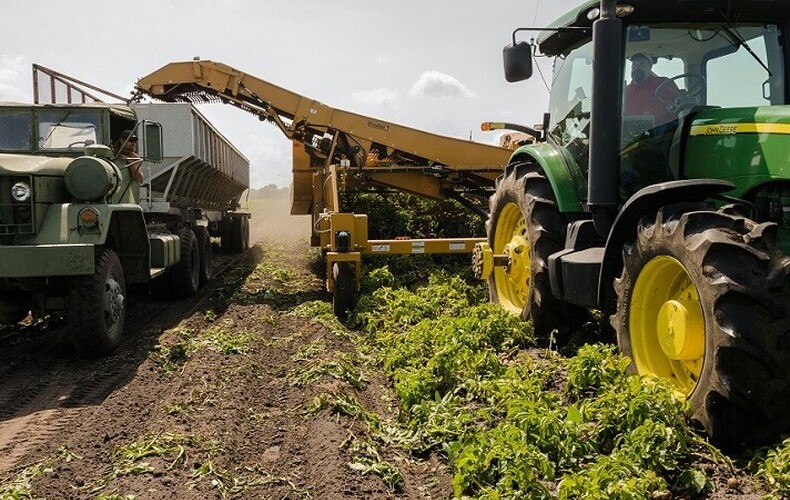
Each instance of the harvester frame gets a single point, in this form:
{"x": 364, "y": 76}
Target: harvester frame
{"x": 335, "y": 150}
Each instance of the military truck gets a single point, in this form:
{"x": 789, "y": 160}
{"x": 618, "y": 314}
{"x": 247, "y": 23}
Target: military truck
{"x": 668, "y": 207}
{"x": 76, "y": 231}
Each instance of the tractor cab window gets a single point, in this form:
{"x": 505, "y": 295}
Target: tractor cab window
{"x": 65, "y": 129}
{"x": 570, "y": 103}
{"x": 673, "y": 70}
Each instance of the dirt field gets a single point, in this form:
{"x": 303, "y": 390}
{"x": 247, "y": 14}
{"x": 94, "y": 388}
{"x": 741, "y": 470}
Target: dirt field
{"x": 226, "y": 394}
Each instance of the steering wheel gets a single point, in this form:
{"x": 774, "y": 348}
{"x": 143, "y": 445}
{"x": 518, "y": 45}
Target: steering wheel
{"x": 682, "y": 101}
{"x": 80, "y": 143}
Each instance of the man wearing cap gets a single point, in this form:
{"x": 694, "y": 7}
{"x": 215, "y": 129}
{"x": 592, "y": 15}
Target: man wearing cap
{"x": 640, "y": 94}
{"x": 126, "y": 147}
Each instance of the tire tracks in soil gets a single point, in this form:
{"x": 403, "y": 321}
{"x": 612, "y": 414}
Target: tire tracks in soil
{"x": 46, "y": 390}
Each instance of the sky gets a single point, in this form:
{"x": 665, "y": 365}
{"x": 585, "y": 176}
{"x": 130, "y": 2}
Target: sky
{"x": 434, "y": 65}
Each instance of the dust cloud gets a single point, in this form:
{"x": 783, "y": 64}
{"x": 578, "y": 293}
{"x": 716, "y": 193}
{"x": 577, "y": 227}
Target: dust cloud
{"x": 272, "y": 221}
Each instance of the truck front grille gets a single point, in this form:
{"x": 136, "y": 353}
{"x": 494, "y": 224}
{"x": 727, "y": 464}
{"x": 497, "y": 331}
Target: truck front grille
{"x": 16, "y": 217}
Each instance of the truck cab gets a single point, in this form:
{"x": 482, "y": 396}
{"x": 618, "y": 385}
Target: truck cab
{"x": 72, "y": 233}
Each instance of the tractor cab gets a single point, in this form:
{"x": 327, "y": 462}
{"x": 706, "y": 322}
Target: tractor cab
{"x": 671, "y": 72}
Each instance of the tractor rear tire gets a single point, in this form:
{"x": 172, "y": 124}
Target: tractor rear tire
{"x": 97, "y": 307}
{"x": 345, "y": 283}
{"x": 702, "y": 303}
{"x": 185, "y": 276}
{"x": 204, "y": 244}
{"x": 526, "y": 225}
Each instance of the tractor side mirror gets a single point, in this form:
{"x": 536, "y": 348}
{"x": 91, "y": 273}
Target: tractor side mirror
{"x": 518, "y": 61}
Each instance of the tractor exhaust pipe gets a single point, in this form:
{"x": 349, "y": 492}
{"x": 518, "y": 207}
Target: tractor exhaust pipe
{"x": 602, "y": 194}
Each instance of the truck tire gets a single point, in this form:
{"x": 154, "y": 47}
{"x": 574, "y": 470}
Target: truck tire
{"x": 526, "y": 225}
{"x": 345, "y": 284}
{"x": 204, "y": 244}
{"x": 13, "y": 309}
{"x": 245, "y": 236}
{"x": 226, "y": 234}
{"x": 237, "y": 234}
{"x": 185, "y": 276}
{"x": 702, "y": 303}
{"x": 97, "y": 307}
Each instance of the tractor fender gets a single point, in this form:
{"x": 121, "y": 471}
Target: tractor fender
{"x": 646, "y": 201}
{"x": 553, "y": 164}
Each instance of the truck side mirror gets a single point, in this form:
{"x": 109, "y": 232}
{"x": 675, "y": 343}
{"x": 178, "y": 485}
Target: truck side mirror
{"x": 152, "y": 147}
{"x": 518, "y": 61}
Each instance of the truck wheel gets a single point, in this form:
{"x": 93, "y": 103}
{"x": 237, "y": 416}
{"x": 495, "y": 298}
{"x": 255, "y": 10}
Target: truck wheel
{"x": 97, "y": 307}
{"x": 245, "y": 233}
{"x": 226, "y": 234}
{"x": 13, "y": 309}
{"x": 185, "y": 276}
{"x": 526, "y": 225}
{"x": 702, "y": 304}
{"x": 204, "y": 244}
{"x": 345, "y": 284}
{"x": 237, "y": 234}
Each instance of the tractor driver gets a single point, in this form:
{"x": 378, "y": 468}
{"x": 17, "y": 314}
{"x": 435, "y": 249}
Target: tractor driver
{"x": 640, "y": 94}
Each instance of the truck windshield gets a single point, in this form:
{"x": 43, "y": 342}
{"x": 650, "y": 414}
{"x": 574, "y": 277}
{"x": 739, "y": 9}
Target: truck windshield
{"x": 16, "y": 129}
{"x": 65, "y": 129}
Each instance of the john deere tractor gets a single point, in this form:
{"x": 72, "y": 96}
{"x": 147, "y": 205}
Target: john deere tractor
{"x": 659, "y": 194}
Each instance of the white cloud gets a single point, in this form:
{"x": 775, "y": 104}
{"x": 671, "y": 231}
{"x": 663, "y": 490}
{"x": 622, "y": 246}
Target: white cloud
{"x": 11, "y": 84}
{"x": 376, "y": 97}
{"x": 437, "y": 84}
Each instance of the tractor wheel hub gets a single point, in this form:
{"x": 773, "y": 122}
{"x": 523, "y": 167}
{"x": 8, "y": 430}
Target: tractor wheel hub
{"x": 681, "y": 330}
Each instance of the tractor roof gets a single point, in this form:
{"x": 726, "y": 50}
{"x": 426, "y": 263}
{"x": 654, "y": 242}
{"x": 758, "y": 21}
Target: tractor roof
{"x": 667, "y": 11}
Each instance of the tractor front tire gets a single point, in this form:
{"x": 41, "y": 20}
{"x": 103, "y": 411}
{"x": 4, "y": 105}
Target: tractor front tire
{"x": 526, "y": 225}
{"x": 702, "y": 303}
{"x": 97, "y": 307}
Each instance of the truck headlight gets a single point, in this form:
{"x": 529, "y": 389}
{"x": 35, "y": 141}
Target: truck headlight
{"x": 21, "y": 191}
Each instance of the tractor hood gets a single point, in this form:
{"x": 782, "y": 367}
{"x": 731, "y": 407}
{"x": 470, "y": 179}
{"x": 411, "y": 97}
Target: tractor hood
{"x": 11, "y": 164}
{"x": 748, "y": 146}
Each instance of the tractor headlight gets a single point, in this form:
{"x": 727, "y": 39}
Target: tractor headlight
{"x": 21, "y": 191}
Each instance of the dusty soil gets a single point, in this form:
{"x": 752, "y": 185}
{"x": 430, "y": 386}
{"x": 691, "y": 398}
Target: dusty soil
{"x": 226, "y": 394}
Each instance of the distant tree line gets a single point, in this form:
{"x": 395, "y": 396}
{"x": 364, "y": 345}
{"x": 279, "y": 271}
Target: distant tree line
{"x": 270, "y": 191}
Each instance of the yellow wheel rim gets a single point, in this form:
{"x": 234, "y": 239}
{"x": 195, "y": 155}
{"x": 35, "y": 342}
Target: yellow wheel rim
{"x": 512, "y": 281}
{"x": 666, "y": 324}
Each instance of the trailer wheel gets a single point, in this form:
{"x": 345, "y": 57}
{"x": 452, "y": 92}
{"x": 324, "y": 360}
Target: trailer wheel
{"x": 245, "y": 233}
{"x": 345, "y": 284}
{"x": 526, "y": 225}
{"x": 702, "y": 304}
{"x": 185, "y": 276}
{"x": 204, "y": 244}
{"x": 97, "y": 307}
{"x": 226, "y": 234}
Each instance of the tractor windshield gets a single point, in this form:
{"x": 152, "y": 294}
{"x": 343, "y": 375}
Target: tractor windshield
{"x": 570, "y": 101}
{"x": 671, "y": 71}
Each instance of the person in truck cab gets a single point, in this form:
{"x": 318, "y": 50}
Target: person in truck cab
{"x": 126, "y": 147}
{"x": 641, "y": 97}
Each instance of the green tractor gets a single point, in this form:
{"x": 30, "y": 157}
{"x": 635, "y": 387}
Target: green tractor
{"x": 659, "y": 194}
